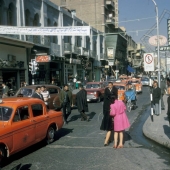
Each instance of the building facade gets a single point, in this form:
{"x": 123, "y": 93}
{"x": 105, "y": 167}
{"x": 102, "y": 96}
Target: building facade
{"x": 71, "y": 56}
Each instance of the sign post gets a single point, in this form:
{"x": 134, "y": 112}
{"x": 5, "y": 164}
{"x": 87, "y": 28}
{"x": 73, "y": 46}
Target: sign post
{"x": 148, "y": 62}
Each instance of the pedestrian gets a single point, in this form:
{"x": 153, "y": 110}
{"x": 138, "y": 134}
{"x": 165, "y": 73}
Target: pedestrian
{"x": 106, "y": 124}
{"x": 37, "y": 93}
{"x": 5, "y": 90}
{"x": 24, "y": 83}
{"x": 65, "y": 98}
{"x": 121, "y": 122}
{"x": 163, "y": 89}
{"x": 82, "y": 105}
{"x": 85, "y": 81}
{"x": 156, "y": 97}
{"x": 46, "y": 95}
{"x": 168, "y": 82}
{"x": 168, "y": 101}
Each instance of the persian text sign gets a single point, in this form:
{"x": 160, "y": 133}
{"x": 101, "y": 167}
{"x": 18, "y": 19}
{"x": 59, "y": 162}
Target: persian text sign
{"x": 148, "y": 62}
{"x": 67, "y": 31}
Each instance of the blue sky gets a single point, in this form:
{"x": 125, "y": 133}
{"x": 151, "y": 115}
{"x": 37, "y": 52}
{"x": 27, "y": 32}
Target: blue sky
{"x": 138, "y": 9}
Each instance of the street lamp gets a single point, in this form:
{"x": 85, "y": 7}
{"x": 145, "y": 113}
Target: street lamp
{"x": 158, "y": 44}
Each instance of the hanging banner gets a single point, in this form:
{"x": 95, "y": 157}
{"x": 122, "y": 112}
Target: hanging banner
{"x": 64, "y": 31}
{"x": 148, "y": 62}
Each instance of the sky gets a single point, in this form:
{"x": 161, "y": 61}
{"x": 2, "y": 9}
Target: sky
{"x": 135, "y": 10}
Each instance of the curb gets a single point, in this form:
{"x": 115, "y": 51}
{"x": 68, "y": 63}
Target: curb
{"x": 158, "y": 138}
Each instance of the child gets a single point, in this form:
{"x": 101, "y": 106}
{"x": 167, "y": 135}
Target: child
{"x": 121, "y": 121}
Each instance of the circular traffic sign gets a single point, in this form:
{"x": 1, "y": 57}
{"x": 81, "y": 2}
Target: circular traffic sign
{"x": 148, "y": 58}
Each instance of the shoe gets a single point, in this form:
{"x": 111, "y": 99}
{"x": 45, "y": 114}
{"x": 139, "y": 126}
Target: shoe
{"x": 120, "y": 146}
{"x": 105, "y": 144}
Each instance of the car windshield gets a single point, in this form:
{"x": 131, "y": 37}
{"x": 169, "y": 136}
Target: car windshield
{"x": 120, "y": 87}
{"x": 145, "y": 79}
{"x": 26, "y": 92}
{"x": 92, "y": 86}
{"x": 5, "y": 113}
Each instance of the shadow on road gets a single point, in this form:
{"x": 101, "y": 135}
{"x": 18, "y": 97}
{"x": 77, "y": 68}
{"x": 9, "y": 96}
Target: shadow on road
{"x": 22, "y": 167}
{"x": 167, "y": 130}
{"x": 91, "y": 115}
{"x": 126, "y": 137}
{"x": 62, "y": 132}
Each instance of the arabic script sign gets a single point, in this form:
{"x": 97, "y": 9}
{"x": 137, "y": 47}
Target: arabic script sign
{"x": 67, "y": 31}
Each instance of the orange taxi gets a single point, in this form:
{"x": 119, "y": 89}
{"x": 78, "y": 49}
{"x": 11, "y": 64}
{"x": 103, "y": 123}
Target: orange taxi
{"x": 122, "y": 87}
{"x": 137, "y": 83}
{"x": 24, "y": 122}
{"x": 124, "y": 78}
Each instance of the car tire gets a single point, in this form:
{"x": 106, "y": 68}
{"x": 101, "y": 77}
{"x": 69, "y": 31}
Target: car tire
{"x": 2, "y": 154}
{"x": 99, "y": 100}
{"x": 50, "y": 134}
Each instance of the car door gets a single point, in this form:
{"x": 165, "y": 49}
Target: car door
{"x": 23, "y": 128}
{"x": 40, "y": 120}
{"x": 53, "y": 93}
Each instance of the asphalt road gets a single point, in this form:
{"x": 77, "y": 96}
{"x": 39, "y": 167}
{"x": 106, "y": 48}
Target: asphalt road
{"x": 79, "y": 146}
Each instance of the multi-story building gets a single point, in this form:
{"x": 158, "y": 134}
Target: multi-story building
{"x": 100, "y": 14}
{"x": 71, "y": 56}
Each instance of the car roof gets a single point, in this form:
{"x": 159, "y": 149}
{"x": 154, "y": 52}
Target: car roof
{"x": 119, "y": 83}
{"x": 18, "y": 101}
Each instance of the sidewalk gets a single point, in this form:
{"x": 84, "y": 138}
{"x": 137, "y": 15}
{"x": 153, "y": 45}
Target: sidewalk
{"x": 158, "y": 130}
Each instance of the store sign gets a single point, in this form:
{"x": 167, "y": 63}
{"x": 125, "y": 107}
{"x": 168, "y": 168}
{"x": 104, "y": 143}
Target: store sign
{"x": 62, "y": 31}
{"x": 168, "y": 22}
{"x": 43, "y": 59}
{"x": 110, "y": 53}
{"x": 163, "y": 48}
{"x": 154, "y": 40}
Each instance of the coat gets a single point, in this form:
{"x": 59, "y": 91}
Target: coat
{"x": 163, "y": 87}
{"x": 107, "y": 119}
{"x": 168, "y": 111}
{"x": 61, "y": 96}
{"x": 35, "y": 95}
{"x": 156, "y": 95}
{"x": 81, "y": 99}
{"x": 121, "y": 121}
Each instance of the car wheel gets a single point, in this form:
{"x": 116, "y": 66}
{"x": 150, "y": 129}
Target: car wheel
{"x": 2, "y": 154}
{"x": 99, "y": 100}
{"x": 50, "y": 135}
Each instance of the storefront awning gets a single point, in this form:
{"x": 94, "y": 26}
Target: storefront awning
{"x": 15, "y": 42}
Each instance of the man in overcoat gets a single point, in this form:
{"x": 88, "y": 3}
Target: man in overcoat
{"x": 107, "y": 120}
{"x": 82, "y": 105}
{"x": 5, "y": 90}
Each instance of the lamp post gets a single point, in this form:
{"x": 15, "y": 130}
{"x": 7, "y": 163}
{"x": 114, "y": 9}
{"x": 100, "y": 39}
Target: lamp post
{"x": 158, "y": 44}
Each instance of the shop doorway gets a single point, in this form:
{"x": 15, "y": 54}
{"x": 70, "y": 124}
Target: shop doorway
{"x": 10, "y": 79}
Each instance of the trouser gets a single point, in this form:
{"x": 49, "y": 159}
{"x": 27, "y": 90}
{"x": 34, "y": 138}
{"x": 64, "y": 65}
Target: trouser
{"x": 83, "y": 115}
{"x": 66, "y": 110}
{"x": 162, "y": 102}
{"x": 156, "y": 108}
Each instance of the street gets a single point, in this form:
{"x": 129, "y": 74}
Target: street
{"x": 79, "y": 145}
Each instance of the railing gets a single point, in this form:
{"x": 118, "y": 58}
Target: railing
{"x": 36, "y": 39}
{"x": 47, "y": 40}
{"x": 110, "y": 20}
{"x": 109, "y": 3}
{"x": 76, "y": 49}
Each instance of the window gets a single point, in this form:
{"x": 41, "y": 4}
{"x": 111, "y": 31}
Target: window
{"x": 21, "y": 113}
{"x": 37, "y": 110}
{"x": 52, "y": 90}
{"x": 5, "y": 113}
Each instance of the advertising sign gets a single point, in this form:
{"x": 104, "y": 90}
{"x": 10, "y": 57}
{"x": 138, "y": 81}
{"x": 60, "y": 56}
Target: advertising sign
{"x": 148, "y": 62}
{"x": 168, "y": 22}
{"x": 163, "y": 48}
{"x": 154, "y": 40}
{"x": 110, "y": 53}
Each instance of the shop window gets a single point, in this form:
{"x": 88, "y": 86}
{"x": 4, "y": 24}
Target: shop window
{"x": 37, "y": 110}
{"x": 52, "y": 90}
{"x": 21, "y": 113}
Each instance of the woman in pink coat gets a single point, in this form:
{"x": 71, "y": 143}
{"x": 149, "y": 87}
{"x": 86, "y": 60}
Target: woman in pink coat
{"x": 121, "y": 121}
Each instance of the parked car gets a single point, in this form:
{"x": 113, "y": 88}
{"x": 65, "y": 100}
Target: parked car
{"x": 24, "y": 122}
{"x": 145, "y": 81}
{"x": 122, "y": 87}
{"x": 95, "y": 91}
{"x": 54, "y": 91}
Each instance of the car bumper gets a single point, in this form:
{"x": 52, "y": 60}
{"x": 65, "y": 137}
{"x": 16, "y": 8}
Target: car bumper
{"x": 145, "y": 83}
{"x": 91, "y": 98}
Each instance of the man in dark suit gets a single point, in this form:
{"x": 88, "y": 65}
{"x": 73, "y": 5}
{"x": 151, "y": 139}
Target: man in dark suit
{"x": 107, "y": 120}
{"x": 168, "y": 100}
{"x": 38, "y": 94}
{"x": 82, "y": 105}
{"x": 5, "y": 90}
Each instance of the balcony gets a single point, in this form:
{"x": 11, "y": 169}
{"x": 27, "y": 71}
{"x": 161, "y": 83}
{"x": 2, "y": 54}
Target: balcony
{"x": 103, "y": 56}
{"x": 85, "y": 52}
{"x": 67, "y": 48}
{"x": 76, "y": 49}
{"x": 55, "y": 49}
{"x": 110, "y": 20}
{"x": 93, "y": 54}
{"x": 109, "y": 3}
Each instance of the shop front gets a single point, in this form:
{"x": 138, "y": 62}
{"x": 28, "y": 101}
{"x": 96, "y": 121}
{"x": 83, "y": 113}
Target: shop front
{"x": 14, "y": 61}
